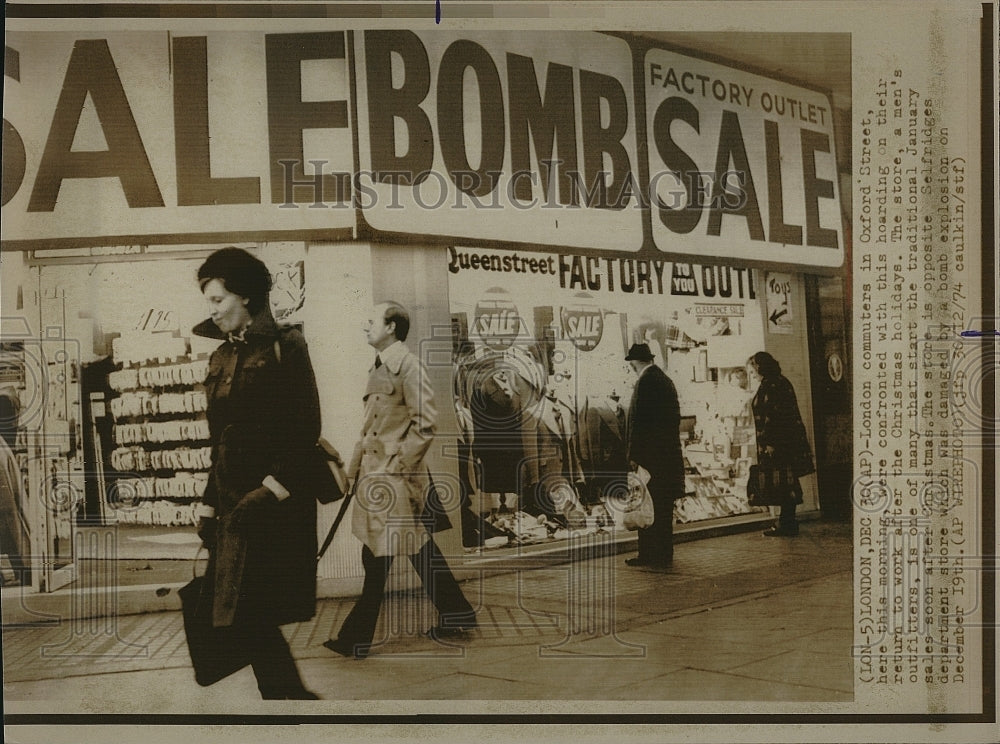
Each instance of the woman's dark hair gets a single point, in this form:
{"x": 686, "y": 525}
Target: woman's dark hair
{"x": 766, "y": 365}
{"x": 241, "y": 273}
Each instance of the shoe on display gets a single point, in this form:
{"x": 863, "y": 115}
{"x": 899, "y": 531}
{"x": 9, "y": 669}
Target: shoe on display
{"x": 576, "y": 518}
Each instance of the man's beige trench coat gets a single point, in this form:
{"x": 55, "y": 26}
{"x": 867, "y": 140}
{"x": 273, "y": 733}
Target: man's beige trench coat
{"x": 399, "y": 423}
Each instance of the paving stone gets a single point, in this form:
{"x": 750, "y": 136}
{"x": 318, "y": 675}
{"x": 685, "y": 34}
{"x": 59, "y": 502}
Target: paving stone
{"x": 803, "y": 667}
{"x": 694, "y": 684}
{"x": 737, "y": 617}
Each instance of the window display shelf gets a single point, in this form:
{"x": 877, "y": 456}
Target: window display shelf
{"x": 161, "y": 512}
{"x": 185, "y": 371}
{"x": 160, "y": 430}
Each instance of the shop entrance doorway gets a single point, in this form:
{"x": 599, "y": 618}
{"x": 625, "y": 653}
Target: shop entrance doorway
{"x": 831, "y": 392}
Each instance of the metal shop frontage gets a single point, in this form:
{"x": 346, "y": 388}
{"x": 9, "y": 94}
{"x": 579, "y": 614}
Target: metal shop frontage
{"x": 540, "y": 201}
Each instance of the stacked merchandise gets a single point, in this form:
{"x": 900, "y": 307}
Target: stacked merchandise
{"x": 718, "y": 455}
{"x": 162, "y": 453}
{"x": 521, "y": 528}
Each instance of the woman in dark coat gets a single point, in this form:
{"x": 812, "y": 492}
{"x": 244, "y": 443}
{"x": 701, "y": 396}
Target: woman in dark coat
{"x": 260, "y": 517}
{"x": 781, "y": 436}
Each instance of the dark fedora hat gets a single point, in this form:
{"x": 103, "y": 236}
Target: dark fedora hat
{"x": 639, "y": 353}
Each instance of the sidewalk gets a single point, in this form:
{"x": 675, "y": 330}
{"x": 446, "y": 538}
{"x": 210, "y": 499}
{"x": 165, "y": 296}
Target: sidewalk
{"x": 738, "y": 617}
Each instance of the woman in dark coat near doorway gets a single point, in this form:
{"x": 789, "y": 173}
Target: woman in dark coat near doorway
{"x": 264, "y": 420}
{"x": 781, "y": 435}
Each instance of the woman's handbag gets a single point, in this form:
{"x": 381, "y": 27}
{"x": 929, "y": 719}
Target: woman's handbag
{"x": 329, "y": 479}
{"x": 324, "y": 468}
{"x": 638, "y": 511}
{"x": 773, "y": 485}
{"x": 215, "y": 652}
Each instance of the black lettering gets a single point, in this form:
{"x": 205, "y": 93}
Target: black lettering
{"x": 707, "y": 281}
{"x": 577, "y": 274}
{"x": 451, "y": 117}
{"x": 732, "y": 149}
{"x": 816, "y": 188}
{"x": 195, "y": 185}
{"x": 92, "y": 70}
{"x": 386, "y": 103}
{"x": 643, "y": 276}
{"x": 681, "y": 221}
{"x": 593, "y": 273}
{"x": 549, "y": 124}
{"x": 725, "y": 281}
{"x": 626, "y": 277}
{"x": 598, "y": 140}
{"x": 15, "y": 158}
{"x": 288, "y": 115}
{"x": 15, "y": 161}
{"x": 778, "y": 232}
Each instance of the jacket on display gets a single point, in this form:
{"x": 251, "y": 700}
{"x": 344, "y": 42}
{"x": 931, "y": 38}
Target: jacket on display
{"x": 264, "y": 420}
{"x": 497, "y": 399}
{"x": 550, "y": 445}
{"x": 602, "y": 439}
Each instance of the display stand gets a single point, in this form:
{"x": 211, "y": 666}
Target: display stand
{"x": 161, "y": 453}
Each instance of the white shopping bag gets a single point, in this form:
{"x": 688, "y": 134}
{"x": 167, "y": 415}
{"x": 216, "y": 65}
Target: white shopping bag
{"x": 638, "y": 511}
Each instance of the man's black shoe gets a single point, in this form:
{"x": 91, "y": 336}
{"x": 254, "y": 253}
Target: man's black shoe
{"x": 358, "y": 651}
{"x": 781, "y": 532}
{"x": 645, "y": 562}
{"x": 452, "y": 632}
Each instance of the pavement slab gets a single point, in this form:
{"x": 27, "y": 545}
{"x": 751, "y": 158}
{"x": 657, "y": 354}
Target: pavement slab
{"x": 695, "y": 684}
{"x": 738, "y": 617}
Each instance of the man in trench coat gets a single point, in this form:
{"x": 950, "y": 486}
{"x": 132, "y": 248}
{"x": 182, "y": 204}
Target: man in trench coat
{"x": 391, "y": 513}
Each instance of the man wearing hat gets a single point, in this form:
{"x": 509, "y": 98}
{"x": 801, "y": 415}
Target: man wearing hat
{"x": 654, "y": 443}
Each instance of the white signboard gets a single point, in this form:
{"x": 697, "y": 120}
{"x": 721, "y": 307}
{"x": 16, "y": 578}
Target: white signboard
{"x": 740, "y": 166}
{"x": 521, "y": 137}
{"x": 137, "y": 138}
{"x": 779, "y": 303}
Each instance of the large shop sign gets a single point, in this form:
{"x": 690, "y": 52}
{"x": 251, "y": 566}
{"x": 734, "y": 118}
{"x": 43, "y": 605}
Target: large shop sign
{"x": 518, "y": 138}
{"x": 521, "y": 137}
{"x": 140, "y": 138}
{"x": 740, "y": 165}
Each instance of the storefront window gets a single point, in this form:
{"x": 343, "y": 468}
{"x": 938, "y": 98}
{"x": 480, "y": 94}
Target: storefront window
{"x": 542, "y": 389}
{"x": 145, "y": 438}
